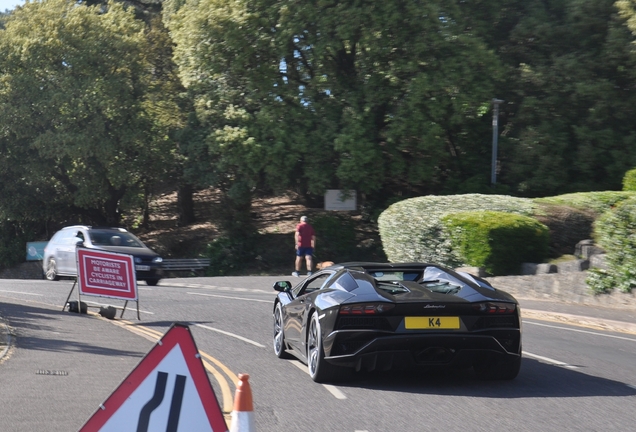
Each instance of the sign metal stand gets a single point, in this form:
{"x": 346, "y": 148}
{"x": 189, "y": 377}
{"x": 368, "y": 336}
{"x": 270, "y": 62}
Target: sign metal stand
{"x": 105, "y": 274}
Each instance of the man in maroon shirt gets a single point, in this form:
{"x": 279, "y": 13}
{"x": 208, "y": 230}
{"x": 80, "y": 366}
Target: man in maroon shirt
{"x": 305, "y": 239}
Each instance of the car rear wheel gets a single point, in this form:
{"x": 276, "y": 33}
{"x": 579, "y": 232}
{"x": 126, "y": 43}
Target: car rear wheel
{"x": 319, "y": 370}
{"x": 279, "y": 333}
{"x": 152, "y": 282}
{"x": 502, "y": 369}
{"x": 51, "y": 270}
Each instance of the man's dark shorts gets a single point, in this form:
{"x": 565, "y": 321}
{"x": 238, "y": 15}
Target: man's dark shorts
{"x": 304, "y": 251}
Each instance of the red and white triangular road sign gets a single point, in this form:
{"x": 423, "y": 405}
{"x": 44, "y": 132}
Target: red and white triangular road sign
{"x": 169, "y": 390}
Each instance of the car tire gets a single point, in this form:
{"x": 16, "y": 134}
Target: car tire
{"x": 503, "y": 369}
{"x": 152, "y": 282}
{"x": 51, "y": 270}
{"x": 279, "y": 333}
{"x": 319, "y": 369}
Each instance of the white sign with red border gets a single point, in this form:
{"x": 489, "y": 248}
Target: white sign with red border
{"x": 169, "y": 390}
{"x": 106, "y": 274}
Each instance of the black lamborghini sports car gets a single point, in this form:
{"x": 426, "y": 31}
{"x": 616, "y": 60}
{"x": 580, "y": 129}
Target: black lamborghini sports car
{"x": 368, "y": 316}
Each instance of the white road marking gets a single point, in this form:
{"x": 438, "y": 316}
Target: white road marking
{"x": 220, "y": 288}
{"x": 335, "y": 391}
{"x": 581, "y": 331}
{"x": 229, "y": 334}
{"x": 9, "y": 341}
{"x": 549, "y": 360}
{"x": 21, "y": 292}
{"x": 228, "y": 297}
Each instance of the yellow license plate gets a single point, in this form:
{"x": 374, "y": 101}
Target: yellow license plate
{"x": 431, "y": 322}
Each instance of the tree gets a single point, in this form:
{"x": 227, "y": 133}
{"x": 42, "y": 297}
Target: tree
{"x": 570, "y": 98}
{"x": 80, "y": 107}
{"x": 375, "y": 96}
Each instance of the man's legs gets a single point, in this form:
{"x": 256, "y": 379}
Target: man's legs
{"x": 299, "y": 262}
{"x": 309, "y": 260}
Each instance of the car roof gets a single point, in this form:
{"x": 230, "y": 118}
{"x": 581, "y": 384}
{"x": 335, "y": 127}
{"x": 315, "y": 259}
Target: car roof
{"x": 89, "y": 227}
{"x": 377, "y": 265}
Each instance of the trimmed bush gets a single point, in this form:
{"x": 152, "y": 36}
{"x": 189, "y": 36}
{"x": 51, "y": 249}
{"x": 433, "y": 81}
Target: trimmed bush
{"x": 497, "y": 241}
{"x": 629, "y": 181}
{"x": 411, "y": 230}
{"x": 615, "y": 231}
{"x": 598, "y": 202}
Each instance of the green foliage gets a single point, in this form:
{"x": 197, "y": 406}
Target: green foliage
{"x": 315, "y": 96}
{"x": 228, "y": 256}
{"x": 80, "y": 110}
{"x": 600, "y": 281}
{"x": 412, "y": 230}
{"x": 615, "y": 231}
{"x": 335, "y": 238}
{"x": 567, "y": 225}
{"x": 497, "y": 241}
{"x": 629, "y": 181}
{"x": 598, "y": 202}
{"x": 571, "y": 65}
{"x": 13, "y": 237}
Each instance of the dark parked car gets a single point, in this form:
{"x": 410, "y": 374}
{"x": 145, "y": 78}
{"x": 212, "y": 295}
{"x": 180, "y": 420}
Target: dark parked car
{"x": 60, "y": 257}
{"x": 366, "y": 316}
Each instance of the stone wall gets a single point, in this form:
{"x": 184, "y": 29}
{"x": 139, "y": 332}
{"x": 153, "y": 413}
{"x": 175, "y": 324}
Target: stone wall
{"x": 563, "y": 287}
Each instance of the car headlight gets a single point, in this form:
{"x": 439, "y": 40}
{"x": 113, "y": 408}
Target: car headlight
{"x": 157, "y": 260}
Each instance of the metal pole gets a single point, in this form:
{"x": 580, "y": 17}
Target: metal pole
{"x": 495, "y": 134}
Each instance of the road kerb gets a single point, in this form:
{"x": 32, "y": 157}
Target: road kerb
{"x": 580, "y": 321}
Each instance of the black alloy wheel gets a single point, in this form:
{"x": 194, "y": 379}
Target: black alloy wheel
{"x": 279, "y": 333}
{"x": 319, "y": 369}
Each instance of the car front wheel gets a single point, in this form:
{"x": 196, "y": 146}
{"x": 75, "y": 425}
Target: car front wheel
{"x": 152, "y": 282}
{"x": 51, "y": 271}
{"x": 279, "y": 333}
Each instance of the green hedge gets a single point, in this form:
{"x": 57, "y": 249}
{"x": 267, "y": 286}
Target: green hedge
{"x": 497, "y": 241}
{"x": 629, "y": 181}
{"x": 412, "y": 231}
{"x": 598, "y": 202}
{"x": 615, "y": 231}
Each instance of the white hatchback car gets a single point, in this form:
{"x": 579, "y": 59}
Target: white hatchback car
{"x": 60, "y": 252}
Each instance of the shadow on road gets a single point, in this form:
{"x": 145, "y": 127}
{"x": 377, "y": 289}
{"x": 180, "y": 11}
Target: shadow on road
{"x": 536, "y": 380}
{"x": 45, "y": 329}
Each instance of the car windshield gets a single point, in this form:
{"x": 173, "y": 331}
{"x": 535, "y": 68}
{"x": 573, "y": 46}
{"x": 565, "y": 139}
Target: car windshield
{"x": 437, "y": 280}
{"x": 114, "y": 238}
{"x": 395, "y": 275}
{"x": 392, "y": 287}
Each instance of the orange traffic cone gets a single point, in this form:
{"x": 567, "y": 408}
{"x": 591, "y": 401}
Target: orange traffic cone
{"x": 243, "y": 412}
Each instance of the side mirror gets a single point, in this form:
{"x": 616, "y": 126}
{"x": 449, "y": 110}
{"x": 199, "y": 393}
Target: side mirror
{"x": 282, "y": 286}
{"x": 79, "y": 242}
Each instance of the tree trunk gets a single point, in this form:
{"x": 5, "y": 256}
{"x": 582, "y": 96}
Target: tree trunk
{"x": 185, "y": 203}
{"x": 112, "y": 215}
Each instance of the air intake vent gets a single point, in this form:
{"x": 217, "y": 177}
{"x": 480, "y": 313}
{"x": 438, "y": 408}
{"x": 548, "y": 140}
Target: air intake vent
{"x": 362, "y": 322}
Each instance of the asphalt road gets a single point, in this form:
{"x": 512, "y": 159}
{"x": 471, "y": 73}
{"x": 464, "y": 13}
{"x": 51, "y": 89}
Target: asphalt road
{"x": 63, "y": 366}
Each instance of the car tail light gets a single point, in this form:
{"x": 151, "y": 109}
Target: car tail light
{"x": 365, "y": 309}
{"x": 495, "y": 307}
